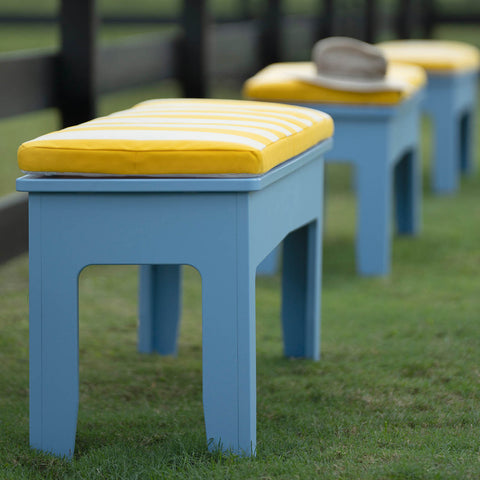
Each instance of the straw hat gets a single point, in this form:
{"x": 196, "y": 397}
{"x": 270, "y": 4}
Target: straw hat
{"x": 344, "y": 63}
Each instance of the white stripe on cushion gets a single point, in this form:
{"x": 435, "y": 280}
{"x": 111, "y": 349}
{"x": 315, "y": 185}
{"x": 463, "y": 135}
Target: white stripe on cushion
{"x": 152, "y": 135}
{"x": 245, "y": 106}
{"x": 209, "y": 128}
{"x": 225, "y": 111}
{"x": 186, "y": 121}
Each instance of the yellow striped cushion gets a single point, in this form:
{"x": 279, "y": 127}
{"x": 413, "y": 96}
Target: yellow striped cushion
{"x": 436, "y": 56}
{"x": 279, "y": 82}
{"x": 180, "y": 136}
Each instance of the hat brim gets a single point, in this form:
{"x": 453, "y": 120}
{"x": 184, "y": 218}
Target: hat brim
{"x": 353, "y": 85}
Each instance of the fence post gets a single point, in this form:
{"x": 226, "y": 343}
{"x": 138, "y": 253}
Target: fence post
{"x": 244, "y": 9}
{"x": 370, "y": 21}
{"x": 270, "y": 33}
{"x": 404, "y": 19}
{"x": 428, "y": 18}
{"x": 193, "y": 56}
{"x": 327, "y": 18}
{"x": 78, "y": 61}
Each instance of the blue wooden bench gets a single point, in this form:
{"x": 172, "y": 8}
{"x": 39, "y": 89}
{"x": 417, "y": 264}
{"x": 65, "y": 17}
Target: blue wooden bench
{"x": 450, "y": 101}
{"x": 212, "y": 184}
{"x": 377, "y": 132}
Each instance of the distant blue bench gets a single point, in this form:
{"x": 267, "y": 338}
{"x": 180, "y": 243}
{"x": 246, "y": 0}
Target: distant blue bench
{"x": 377, "y": 133}
{"x": 451, "y": 103}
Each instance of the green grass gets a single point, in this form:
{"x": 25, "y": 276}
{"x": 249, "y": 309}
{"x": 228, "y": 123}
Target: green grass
{"x": 395, "y": 396}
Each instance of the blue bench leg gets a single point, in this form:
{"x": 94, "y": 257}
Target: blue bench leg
{"x": 446, "y": 162}
{"x": 408, "y": 194}
{"x": 301, "y": 292}
{"x": 467, "y": 140}
{"x": 228, "y": 346}
{"x": 374, "y": 192}
{"x": 160, "y": 303}
{"x": 270, "y": 264}
{"x": 53, "y": 343}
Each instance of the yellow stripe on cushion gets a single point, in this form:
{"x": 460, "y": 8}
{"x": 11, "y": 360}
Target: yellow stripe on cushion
{"x": 180, "y": 137}
{"x": 279, "y": 82}
{"x": 436, "y": 56}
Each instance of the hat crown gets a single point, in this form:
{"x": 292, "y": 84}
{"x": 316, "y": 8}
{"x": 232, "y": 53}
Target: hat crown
{"x": 348, "y": 58}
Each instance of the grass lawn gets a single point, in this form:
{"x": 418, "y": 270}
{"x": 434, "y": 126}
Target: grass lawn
{"x": 395, "y": 396}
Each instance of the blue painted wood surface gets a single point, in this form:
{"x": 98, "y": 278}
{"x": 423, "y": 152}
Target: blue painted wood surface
{"x": 222, "y": 227}
{"x": 159, "y": 297}
{"x": 451, "y": 102}
{"x": 382, "y": 144}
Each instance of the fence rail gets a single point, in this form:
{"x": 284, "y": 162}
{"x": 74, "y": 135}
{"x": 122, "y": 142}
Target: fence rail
{"x": 27, "y": 82}
{"x": 13, "y": 226}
